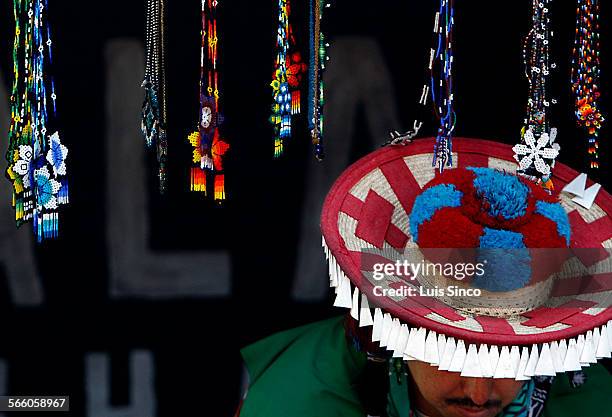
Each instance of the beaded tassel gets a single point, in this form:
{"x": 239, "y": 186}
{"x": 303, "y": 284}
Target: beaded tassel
{"x": 286, "y": 80}
{"x": 154, "y": 116}
{"x": 586, "y": 73}
{"x": 198, "y": 180}
{"x": 63, "y": 195}
{"x": 220, "y": 187}
{"x": 48, "y": 227}
{"x": 296, "y": 102}
{"x": 208, "y": 147}
{"x": 441, "y": 68}
{"x": 37, "y": 159}
{"x": 318, "y": 59}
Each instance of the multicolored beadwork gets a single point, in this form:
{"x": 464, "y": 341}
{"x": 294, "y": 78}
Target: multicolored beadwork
{"x": 209, "y": 147}
{"x": 441, "y": 68}
{"x": 585, "y": 75}
{"x": 36, "y": 157}
{"x": 286, "y": 80}
{"x": 318, "y": 59}
{"x": 537, "y": 151}
{"x": 154, "y": 117}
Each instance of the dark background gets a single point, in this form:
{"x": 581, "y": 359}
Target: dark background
{"x": 195, "y": 342}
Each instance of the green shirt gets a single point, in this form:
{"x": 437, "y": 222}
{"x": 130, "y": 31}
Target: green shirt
{"x": 311, "y": 371}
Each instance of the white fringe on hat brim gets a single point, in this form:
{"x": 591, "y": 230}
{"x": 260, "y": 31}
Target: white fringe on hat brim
{"x": 455, "y": 355}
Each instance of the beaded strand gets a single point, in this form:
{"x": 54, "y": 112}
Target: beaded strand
{"x": 318, "y": 58}
{"x": 154, "y": 116}
{"x": 586, "y": 75}
{"x": 537, "y": 150}
{"x": 441, "y": 68}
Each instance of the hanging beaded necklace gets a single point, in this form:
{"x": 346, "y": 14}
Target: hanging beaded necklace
{"x": 287, "y": 77}
{"x": 536, "y": 57}
{"x": 441, "y": 68}
{"x": 209, "y": 148}
{"x": 318, "y": 58}
{"x": 404, "y": 138}
{"x": 585, "y": 74}
{"x": 154, "y": 116}
{"x": 37, "y": 159}
{"x": 537, "y": 151}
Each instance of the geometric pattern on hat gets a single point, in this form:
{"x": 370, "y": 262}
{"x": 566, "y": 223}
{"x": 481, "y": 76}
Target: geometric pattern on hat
{"x": 369, "y": 206}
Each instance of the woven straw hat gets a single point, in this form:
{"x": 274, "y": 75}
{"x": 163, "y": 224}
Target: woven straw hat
{"x": 561, "y": 323}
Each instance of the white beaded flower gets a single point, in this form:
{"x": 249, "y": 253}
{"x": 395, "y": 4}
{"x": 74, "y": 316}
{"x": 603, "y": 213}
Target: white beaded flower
{"x": 534, "y": 152}
{"x": 22, "y": 166}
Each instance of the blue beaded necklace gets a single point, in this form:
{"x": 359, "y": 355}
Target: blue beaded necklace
{"x": 441, "y": 68}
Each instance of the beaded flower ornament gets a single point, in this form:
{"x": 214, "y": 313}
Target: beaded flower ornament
{"x": 286, "y": 80}
{"x": 585, "y": 75}
{"x": 154, "y": 117}
{"x": 208, "y": 146}
{"x": 36, "y": 157}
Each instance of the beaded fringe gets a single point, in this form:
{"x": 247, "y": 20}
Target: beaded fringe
{"x": 19, "y": 211}
{"x": 63, "y": 194}
{"x": 47, "y": 226}
{"x": 296, "y": 102}
{"x": 198, "y": 180}
{"x": 219, "y": 187}
{"x": 278, "y": 147}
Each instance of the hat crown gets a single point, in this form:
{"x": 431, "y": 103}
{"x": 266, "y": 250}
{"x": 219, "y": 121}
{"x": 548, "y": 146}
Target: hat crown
{"x": 503, "y": 198}
{"x": 503, "y": 218}
{"x": 484, "y": 207}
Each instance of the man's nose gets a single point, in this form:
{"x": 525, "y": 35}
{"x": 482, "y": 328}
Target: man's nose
{"x": 478, "y": 389}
